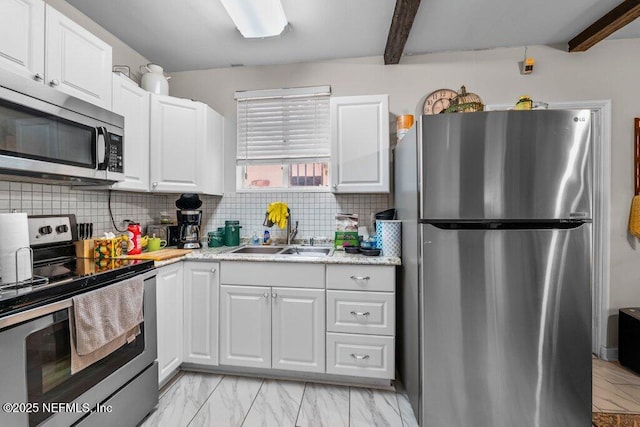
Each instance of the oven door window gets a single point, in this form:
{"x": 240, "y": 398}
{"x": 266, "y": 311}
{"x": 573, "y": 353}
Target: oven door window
{"x": 32, "y": 134}
{"x": 49, "y": 377}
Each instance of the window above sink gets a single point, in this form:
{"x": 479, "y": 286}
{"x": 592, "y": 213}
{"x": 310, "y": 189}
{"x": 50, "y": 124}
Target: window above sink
{"x": 283, "y": 139}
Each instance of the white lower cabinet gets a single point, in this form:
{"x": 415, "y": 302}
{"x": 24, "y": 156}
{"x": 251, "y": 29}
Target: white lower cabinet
{"x": 245, "y": 326}
{"x": 297, "y": 325}
{"x": 272, "y": 327}
{"x": 201, "y": 285}
{"x": 361, "y": 320}
{"x": 169, "y": 304}
{"x": 370, "y": 356}
{"x": 272, "y": 315}
{"x": 304, "y": 317}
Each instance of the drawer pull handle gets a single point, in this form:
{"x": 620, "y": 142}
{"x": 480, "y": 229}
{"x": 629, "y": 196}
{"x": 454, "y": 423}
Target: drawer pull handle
{"x": 359, "y": 356}
{"x": 359, "y": 313}
{"x": 360, "y": 277}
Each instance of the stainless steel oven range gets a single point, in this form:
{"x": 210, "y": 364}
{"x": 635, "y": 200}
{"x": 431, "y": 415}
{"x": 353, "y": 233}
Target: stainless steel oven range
{"x": 37, "y": 384}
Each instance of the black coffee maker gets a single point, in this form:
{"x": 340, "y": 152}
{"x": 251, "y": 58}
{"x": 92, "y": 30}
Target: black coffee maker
{"x": 189, "y": 219}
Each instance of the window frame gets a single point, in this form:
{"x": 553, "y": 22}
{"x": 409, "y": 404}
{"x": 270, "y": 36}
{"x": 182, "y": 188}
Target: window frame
{"x": 284, "y": 163}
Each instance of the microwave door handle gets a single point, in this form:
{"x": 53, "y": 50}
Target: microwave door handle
{"x": 102, "y": 148}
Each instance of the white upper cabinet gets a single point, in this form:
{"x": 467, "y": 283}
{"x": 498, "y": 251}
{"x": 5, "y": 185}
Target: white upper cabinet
{"x": 132, "y": 102}
{"x": 42, "y": 44}
{"x": 177, "y": 126}
{"x": 77, "y": 62}
{"x": 214, "y": 161}
{"x": 360, "y": 144}
{"x": 186, "y": 137}
{"x": 22, "y": 37}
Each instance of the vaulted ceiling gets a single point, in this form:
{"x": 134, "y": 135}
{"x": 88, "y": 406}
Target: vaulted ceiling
{"x": 198, "y": 34}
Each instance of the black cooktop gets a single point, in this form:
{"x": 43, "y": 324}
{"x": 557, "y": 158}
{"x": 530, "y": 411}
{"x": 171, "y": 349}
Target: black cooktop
{"x": 66, "y": 278}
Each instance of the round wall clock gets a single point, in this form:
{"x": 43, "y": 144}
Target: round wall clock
{"x": 438, "y": 101}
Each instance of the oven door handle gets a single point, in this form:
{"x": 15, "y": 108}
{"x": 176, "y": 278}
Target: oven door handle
{"x": 34, "y": 313}
{"x": 27, "y": 315}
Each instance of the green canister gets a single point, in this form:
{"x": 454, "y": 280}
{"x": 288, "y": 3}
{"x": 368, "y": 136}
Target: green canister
{"x": 215, "y": 239}
{"x": 232, "y": 233}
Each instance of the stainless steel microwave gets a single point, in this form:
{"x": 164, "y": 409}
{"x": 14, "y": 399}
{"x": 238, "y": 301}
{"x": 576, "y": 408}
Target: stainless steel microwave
{"x": 48, "y": 136}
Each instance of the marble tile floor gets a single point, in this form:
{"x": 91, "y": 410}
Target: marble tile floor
{"x": 616, "y": 389}
{"x": 199, "y": 399}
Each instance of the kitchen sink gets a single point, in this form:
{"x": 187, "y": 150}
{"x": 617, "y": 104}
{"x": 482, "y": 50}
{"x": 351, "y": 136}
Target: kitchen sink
{"x": 307, "y": 251}
{"x": 258, "y": 250}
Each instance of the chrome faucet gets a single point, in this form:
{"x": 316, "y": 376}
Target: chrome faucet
{"x": 291, "y": 234}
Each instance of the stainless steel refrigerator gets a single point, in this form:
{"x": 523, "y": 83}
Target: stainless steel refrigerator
{"x": 495, "y": 288}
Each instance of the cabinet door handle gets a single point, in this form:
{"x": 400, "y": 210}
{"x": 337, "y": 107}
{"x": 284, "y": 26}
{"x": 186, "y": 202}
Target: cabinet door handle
{"x": 360, "y": 356}
{"x": 213, "y": 270}
{"x": 266, "y": 295}
{"x": 38, "y": 77}
{"x": 360, "y": 277}
{"x": 274, "y": 295}
{"x": 54, "y": 82}
{"x": 359, "y": 313}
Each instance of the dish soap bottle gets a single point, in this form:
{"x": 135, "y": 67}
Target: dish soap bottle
{"x": 255, "y": 240}
{"x": 267, "y": 238}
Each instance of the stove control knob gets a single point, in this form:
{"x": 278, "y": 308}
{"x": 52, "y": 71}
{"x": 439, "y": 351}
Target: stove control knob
{"x": 62, "y": 229}
{"x": 45, "y": 230}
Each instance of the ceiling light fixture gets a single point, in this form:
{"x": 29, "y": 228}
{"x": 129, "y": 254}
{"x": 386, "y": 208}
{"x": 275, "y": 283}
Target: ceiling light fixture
{"x": 257, "y": 18}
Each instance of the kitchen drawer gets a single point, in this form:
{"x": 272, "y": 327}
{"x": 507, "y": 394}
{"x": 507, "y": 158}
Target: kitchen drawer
{"x": 369, "y": 356}
{"x": 286, "y": 274}
{"x": 361, "y": 312}
{"x": 361, "y": 277}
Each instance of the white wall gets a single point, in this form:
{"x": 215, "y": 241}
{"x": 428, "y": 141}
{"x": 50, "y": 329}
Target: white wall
{"x": 610, "y": 70}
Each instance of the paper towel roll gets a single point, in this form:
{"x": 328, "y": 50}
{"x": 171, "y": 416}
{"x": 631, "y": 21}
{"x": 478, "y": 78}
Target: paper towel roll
{"x": 391, "y": 236}
{"x": 14, "y": 234}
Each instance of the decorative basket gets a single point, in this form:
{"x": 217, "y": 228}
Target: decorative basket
{"x": 465, "y": 102}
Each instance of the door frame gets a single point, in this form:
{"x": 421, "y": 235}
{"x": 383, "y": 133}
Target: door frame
{"x": 601, "y": 251}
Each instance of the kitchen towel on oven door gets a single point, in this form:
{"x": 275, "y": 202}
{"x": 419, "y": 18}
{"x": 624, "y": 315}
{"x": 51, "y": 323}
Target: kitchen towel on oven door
{"x": 104, "y": 320}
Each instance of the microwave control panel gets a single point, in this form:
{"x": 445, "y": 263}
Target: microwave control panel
{"x": 116, "y": 150}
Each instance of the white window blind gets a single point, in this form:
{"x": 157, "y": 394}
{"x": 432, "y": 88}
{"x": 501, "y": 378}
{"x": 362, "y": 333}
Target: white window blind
{"x": 287, "y": 125}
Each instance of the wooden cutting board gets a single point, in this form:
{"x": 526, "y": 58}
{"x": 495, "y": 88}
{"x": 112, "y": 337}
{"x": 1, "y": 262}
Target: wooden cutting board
{"x": 160, "y": 255}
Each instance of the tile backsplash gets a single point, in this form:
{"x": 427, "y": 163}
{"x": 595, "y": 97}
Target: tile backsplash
{"x": 315, "y": 212}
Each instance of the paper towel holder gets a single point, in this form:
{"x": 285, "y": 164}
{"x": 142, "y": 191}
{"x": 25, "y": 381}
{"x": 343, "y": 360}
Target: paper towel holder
{"x": 37, "y": 280}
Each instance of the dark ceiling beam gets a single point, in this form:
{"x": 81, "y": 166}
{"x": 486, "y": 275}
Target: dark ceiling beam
{"x": 403, "y": 16}
{"x": 618, "y": 17}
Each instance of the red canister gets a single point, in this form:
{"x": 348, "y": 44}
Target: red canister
{"x": 134, "y": 245}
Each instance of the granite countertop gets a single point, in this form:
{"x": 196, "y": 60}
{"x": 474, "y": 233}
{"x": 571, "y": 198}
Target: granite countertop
{"x": 223, "y": 254}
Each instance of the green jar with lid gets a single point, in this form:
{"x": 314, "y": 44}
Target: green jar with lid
{"x": 215, "y": 239}
{"x": 232, "y": 233}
